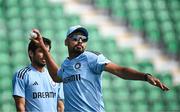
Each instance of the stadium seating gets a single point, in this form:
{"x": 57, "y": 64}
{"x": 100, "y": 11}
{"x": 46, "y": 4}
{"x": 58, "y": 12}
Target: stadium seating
{"x": 17, "y": 18}
{"x": 158, "y": 19}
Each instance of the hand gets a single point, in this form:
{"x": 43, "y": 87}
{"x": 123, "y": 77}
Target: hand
{"x": 38, "y": 40}
{"x": 156, "y": 82}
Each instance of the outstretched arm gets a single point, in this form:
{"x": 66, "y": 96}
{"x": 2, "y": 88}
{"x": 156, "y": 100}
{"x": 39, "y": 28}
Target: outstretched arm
{"x": 51, "y": 64}
{"x": 130, "y": 74}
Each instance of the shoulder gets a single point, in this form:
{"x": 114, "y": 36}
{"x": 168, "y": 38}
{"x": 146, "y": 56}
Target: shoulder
{"x": 92, "y": 54}
{"x": 21, "y": 73}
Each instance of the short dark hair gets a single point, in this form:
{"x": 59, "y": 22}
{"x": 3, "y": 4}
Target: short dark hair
{"x": 33, "y": 46}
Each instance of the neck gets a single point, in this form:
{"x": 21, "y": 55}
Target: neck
{"x": 38, "y": 68}
{"x": 73, "y": 54}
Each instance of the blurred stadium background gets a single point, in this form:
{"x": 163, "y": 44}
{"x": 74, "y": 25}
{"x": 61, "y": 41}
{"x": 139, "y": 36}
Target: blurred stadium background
{"x": 142, "y": 34}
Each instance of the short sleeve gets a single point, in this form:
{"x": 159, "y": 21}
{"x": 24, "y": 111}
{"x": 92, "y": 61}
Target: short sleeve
{"x": 60, "y": 72}
{"x": 60, "y": 92}
{"x": 97, "y": 62}
{"x": 18, "y": 85}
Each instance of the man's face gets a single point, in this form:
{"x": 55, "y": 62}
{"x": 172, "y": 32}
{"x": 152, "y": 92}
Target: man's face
{"x": 76, "y": 43}
{"x": 38, "y": 57}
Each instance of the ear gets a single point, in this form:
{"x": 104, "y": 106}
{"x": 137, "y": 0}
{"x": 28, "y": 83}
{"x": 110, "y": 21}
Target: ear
{"x": 66, "y": 42}
{"x": 30, "y": 53}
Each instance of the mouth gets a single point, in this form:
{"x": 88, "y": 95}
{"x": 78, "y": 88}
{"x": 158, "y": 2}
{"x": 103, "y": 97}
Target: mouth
{"x": 79, "y": 46}
{"x": 43, "y": 60}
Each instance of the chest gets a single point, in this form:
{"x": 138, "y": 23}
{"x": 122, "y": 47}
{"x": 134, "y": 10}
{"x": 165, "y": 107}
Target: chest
{"x": 40, "y": 82}
{"x": 75, "y": 67}
{"x": 77, "y": 71}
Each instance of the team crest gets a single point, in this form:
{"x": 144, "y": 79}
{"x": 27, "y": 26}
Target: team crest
{"x": 77, "y": 65}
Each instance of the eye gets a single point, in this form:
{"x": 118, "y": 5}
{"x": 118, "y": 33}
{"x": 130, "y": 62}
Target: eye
{"x": 84, "y": 40}
{"x": 75, "y": 39}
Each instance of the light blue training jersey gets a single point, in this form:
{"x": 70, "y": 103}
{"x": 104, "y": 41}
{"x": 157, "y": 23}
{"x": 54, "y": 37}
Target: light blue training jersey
{"x": 82, "y": 82}
{"x": 38, "y": 89}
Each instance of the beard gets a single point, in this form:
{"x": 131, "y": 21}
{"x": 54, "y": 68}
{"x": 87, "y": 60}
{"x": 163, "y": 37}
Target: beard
{"x": 78, "y": 49}
{"x": 40, "y": 64}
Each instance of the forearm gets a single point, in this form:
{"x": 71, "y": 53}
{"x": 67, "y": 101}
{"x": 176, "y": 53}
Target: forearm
{"x": 51, "y": 65}
{"x": 60, "y": 106}
{"x": 124, "y": 72}
{"x": 131, "y": 74}
{"x": 20, "y": 103}
{"x": 20, "y": 108}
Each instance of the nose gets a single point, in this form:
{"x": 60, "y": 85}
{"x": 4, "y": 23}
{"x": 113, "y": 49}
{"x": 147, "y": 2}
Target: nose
{"x": 80, "y": 40}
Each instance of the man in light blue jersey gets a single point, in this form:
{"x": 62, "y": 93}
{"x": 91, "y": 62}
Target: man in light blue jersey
{"x": 81, "y": 72}
{"x": 33, "y": 88}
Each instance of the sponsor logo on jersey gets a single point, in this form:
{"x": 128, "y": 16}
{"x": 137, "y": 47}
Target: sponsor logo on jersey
{"x": 71, "y": 78}
{"x": 43, "y": 95}
{"x": 35, "y": 83}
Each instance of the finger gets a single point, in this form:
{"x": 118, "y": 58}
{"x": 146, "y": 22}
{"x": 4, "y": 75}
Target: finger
{"x": 37, "y": 32}
{"x": 165, "y": 88}
{"x": 153, "y": 81}
{"x": 34, "y": 40}
{"x": 160, "y": 84}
